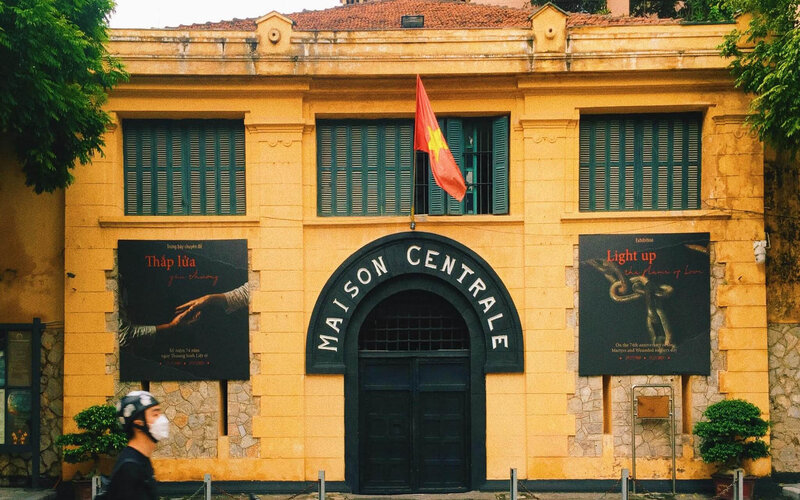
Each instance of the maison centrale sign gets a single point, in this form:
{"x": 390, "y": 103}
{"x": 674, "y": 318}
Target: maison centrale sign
{"x": 408, "y": 261}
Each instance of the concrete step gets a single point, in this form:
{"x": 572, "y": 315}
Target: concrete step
{"x": 791, "y": 491}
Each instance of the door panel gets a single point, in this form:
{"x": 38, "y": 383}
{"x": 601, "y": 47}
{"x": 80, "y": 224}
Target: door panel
{"x": 386, "y": 457}
{"x": 414, "y": 424}
{"x": 442, "y": 440}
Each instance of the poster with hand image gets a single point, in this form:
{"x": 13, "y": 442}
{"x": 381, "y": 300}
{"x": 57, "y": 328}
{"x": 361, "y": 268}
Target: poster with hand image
{"x": 183, "y": 310}
{"x": 644, "y": 304}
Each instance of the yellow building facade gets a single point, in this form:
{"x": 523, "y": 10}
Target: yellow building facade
{"x": 549, "y": 79}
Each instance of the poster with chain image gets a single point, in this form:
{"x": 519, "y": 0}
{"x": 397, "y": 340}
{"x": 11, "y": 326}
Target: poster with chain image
{"x": 644, "y": 304}
{"x": 183, "y": 310}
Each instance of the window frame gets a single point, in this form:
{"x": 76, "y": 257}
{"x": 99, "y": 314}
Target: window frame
{"x": 429, "y": 199}
{"x": 637, "y": 176}
{"x": 156, "y": 184}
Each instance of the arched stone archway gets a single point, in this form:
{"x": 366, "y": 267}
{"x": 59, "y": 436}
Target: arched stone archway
{"x": 444, "y": 261}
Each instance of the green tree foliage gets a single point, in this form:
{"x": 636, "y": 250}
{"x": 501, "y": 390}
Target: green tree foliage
{"x": 707, "y": 11}
{"x": 732, "y": 432}
{"x": 766, "y": 63}
{"x": 55, "y": 73}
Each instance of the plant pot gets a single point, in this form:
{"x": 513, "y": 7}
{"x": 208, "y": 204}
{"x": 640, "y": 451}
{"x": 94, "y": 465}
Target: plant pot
{"x": 82, "y": 488}
{"x": 723, "y": 486}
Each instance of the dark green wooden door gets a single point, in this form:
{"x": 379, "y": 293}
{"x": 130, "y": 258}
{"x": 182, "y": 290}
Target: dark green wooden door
{"x": 414, "y": 423}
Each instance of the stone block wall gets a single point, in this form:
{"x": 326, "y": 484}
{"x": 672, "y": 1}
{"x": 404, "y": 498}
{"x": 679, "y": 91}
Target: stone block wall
{"x": 784, "y": 382}
{"x": 652, "y": 436}
{"x": 195, "y": 408}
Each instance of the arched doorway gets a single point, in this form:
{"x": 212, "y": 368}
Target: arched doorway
{"x": 413, "y": 356}
{"x": 409, "y": 272}
{"x": 415, "y": 407}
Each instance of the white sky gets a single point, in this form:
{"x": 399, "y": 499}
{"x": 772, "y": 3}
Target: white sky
{"x": 161, "y": 13}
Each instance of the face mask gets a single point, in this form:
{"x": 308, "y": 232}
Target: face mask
{"x": 160, "y": 428}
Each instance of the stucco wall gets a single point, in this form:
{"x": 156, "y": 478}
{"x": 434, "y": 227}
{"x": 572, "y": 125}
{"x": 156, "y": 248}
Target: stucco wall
{"x": 298, "y": 419}
{"x": 32, "y": 286}
{"x": 31, "y": 249}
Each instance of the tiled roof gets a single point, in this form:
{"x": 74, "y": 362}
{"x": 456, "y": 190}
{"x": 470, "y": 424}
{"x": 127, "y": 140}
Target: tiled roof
{"x": 607, "y": 20}
{"x": 386, "y": 14}
{"x": 439, "y": 14}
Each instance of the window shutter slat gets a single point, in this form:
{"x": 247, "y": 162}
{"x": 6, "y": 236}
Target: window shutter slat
{"x": 391, "y": 170}
{"x": 405, "y": 163}
{"x": 500, "y": 165}
{"x": 357, "y": 171}
{"x": 324, "y": 169}
{"x": 340, "y": 191}
{"x": 372, "y": 183}
{"x": 436, "y": 196}
{"x": 584, "y": 172}
{"x": 455, "y": 141}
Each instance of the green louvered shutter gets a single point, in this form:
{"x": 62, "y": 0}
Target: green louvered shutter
{"x": 325, "y": 160}
{"x": 373, "y": 153}
{"x": 640, "y": 162}
{"x": 437, "y": 198}
{"x": 455, "y": 141}
{"x": 405, "y": 167}
{"x": 364, "y": 167}
{"x": 181, "y": 167}
{"x": 357, "y": 173}
{"x": 500, "y": 165}
{"x": 397, "y": 168}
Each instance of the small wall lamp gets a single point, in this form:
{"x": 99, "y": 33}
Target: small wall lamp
{"x": 760, "y": 249}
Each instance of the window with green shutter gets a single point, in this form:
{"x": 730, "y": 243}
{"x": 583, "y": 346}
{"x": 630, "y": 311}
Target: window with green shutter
{"x": 364, "y": 167}
{"x": 184, "y": 167}
{"x": 640, "y": 162}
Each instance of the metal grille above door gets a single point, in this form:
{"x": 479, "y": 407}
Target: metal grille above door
{"x": 413, "y": 321}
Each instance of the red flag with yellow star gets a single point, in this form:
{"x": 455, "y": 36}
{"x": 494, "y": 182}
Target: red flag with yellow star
{"x": 428, "y": 137}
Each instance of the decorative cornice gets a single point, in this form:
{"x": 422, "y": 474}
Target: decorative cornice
{"x": 549, "y": 123}
{"x": 675, "y": 215}
{"x": 738, "y": 119}
{"x": 146, "y": 221}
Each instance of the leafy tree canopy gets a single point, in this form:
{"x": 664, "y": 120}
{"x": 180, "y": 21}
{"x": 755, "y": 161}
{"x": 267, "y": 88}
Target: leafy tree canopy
{"x": 55, "y": 73}
{"x": 767, "y": 65}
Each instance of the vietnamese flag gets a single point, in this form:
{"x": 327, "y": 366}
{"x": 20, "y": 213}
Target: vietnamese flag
{"x": 428, "y": 137}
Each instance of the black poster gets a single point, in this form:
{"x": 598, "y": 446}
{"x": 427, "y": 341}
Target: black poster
{"x": 644, "y": 304}
{"x": 183, "y": 310}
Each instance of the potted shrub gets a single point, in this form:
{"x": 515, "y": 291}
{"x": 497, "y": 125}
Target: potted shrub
{"x": 731, "y": 433}
{"x": 100, "y": 436}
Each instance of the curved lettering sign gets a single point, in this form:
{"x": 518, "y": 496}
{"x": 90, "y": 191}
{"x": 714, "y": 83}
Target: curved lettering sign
{"x": 414, "y": 253}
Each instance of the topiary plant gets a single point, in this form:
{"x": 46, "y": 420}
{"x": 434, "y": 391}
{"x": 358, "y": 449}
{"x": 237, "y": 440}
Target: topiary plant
{"x": 102, "y": 435}
{"x": 731, "y": 433}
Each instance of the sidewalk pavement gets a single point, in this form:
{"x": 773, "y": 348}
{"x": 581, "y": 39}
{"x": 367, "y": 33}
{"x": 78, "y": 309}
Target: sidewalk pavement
{"x": 791, "y": 491}
{"x": 26, "y": 494}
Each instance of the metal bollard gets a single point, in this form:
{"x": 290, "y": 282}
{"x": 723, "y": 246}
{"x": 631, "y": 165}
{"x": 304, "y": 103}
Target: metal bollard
{"x": 207, "y": 486}
{"x": 513, "y": 484}
{"x": 95, "y": 485}
{"x": 322, "y": 485}
{"x": 738, "y": 484}
{"x": 624, "y": 483}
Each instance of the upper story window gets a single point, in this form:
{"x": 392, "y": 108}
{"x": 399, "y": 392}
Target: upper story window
{"x": 184, "y": 167}
{"x": 364, "y": 167}
{"x": 640, "y": 162}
